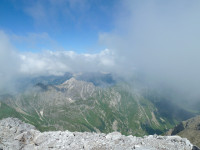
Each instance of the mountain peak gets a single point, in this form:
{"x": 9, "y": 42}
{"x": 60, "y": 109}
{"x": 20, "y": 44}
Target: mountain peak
{"x": 77, "y": 89}
{"x": 70, "y": 81}
{"x": 73, "y": 82}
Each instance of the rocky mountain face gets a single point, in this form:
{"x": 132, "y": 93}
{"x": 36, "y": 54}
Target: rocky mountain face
{"x": 77, "y": 105}
{"x": 189, "y": 129}
{"x": 15, "y": 135}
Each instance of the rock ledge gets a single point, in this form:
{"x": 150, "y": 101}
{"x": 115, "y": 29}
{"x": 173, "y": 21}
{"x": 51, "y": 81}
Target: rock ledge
{"x": 15, "y": 134}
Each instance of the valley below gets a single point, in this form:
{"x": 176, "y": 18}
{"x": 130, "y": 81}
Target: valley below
{"x": 80, "y": 105}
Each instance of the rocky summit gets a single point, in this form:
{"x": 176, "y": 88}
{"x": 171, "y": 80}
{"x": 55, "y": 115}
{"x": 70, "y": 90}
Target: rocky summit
{"x": 15, "y": 134}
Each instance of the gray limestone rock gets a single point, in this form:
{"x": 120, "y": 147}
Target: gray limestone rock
{"x": 15, "y": 135}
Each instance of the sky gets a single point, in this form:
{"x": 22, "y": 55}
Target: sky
{"x": 36, "y": 25}
{"x": 156, "y": 39}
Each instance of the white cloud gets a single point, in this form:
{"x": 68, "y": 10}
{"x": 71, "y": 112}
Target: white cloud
{"x": 59, "y": 62}
{"x": 14, "y": 63}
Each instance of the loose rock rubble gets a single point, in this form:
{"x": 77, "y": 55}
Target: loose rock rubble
{"x": 15, "y": 135}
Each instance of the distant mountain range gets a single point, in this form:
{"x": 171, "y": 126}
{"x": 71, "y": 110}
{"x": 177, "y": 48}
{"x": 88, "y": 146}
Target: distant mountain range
{"x": 93, "y": 102}
{"x": 97, "y": 78}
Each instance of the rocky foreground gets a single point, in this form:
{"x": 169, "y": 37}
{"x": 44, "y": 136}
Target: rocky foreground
{"x": 15, "y": 134}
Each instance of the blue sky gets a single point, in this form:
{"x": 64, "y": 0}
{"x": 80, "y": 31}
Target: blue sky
{"x": 36, "y": 25}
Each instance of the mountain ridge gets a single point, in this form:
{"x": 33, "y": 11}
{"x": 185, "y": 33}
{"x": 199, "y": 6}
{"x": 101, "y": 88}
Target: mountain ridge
{"x": 188, "y": 129}
{"x": 81, "y": 106}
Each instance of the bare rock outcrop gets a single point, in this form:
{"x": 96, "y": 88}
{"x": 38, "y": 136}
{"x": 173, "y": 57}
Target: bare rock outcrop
{"x": 15, "y": 135}
{"x": 189, "y": 129}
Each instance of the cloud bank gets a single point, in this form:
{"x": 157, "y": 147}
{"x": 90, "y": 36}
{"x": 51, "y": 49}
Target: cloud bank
{"x": 158, "y": 39}
{"x": 15, "y": 64}
{"x": 59, "y": 62}
{"x": 49, "y": 62}
{"x": 9, "y": 63}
